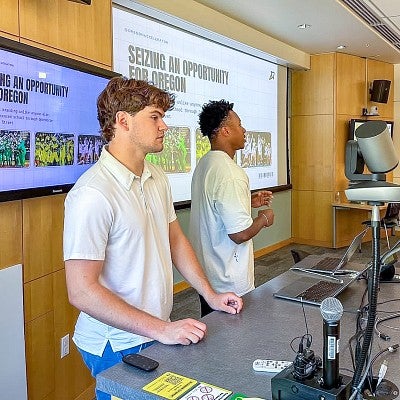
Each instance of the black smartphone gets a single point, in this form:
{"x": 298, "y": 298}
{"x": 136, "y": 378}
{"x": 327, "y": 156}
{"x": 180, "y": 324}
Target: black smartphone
{"x": 142, "y": 362}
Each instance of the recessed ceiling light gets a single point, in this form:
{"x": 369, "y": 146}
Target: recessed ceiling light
{"x": 341, "y": 47}
{"x": 304, "y": 26}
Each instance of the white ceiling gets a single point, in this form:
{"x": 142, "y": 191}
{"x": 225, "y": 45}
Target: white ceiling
{"x": 331, "y": 22}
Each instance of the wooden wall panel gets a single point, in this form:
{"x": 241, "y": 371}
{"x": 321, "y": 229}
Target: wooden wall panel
{"x": 9, "y": 17}
{"x": 88, "y": 394}
{"x": 69, "y": 26}
{"x": 312, "y": 139}
{"x": 47, "y": 309}
{"x": 351, "y": 96}
{"x": 318, "y": 172}
{"x": 381, "y": 70}
{"x": 349, "y": 224}
{"x": 69, "y": 384}
{"x": 38, "y": 297}
{"x": 10, "y": 233}
{"x": 40, "y": 354}
{"x": 313, "y": 90}
{"x": 65, "y": 315}
{"x": 341, "y": 138}
{"x": 312, "y": 217}
{"x": 43, "y": 219}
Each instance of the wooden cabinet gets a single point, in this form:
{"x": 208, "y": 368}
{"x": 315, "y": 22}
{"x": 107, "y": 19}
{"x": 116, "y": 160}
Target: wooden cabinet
{"x": 76, "y": 29}
{"x": 48, "y": 314}
{"x": 40, "y": 356}
{"x": 42, "y": 220}
{"x": 351, "y": 85}
{"x": 311, "y": 216}
{"x": 49, "y": 317}
{"x": 10, "y": 234}
{"x": 324, "y": 99}
{"x": 311, "y": 163}
{"x": 9, "y": 19}
{"x": 313, "y": 90}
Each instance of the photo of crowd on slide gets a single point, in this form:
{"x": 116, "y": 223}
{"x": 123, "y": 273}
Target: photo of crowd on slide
{"x": 89, "y": 148}
{"x": 175, "y": 157}
{"x": 257, "y": 151}
{"x": 14, "y": 149}
{"x": 202, "y": 145}
{"x": 54, "y": 149}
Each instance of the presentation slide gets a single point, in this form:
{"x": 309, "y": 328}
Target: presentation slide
{"x": 198, "y": 70}
{"x": 49, "y": 133}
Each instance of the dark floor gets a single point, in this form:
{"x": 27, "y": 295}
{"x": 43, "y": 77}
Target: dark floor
{"x": 186, "y": 303}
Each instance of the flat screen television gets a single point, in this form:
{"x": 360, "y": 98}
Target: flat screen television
{"x": 49, "y": 133}
{"x": 355, "y": 123}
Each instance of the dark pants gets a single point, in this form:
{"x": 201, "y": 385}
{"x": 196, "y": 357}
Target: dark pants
{"x": 204, "y": 307}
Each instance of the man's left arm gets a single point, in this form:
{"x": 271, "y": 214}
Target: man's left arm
{"x": 185, "y": 261}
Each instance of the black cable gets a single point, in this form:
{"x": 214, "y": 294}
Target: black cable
{"x": 373, "y": 295}
{"x": 309, "y": 340}
{"x": 381, "y": 335}
{"x": 363, "y": 310}
{"x": 392, "y": 349}
{"x": 388, "y": 301}
{"x": 305, "y": 363}
{"x": 307, "y": 335}
{"x": 359, "y": 331}
{"x": 305, "y": 318}
{"x": 356, "y": 336}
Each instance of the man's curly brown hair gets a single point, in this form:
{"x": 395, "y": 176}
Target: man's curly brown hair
{"x": 130, "y": 95}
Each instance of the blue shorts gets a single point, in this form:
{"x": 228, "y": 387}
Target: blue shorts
{"x": 97, "y": 364}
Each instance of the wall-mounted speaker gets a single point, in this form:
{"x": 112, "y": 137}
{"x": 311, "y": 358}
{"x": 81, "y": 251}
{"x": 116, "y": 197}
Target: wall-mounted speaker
{"x": 380, "y": 90}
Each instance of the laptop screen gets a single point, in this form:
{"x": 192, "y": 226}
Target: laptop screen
{"x": 354, "y": 245}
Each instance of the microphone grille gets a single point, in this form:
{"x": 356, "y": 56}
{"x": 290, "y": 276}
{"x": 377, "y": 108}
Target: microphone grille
{"x": 331, "y": 309}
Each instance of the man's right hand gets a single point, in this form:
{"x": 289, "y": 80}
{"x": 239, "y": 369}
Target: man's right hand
{"x": 184, "y": 331}
{"x": 268, "y": 215}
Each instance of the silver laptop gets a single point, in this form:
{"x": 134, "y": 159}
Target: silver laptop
{"x": 313, "y": 291}
{"x": 330, "y": 264}
{"x": 330, "y": 283}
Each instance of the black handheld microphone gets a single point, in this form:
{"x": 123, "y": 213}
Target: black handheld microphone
{"x": 331, "y": 310}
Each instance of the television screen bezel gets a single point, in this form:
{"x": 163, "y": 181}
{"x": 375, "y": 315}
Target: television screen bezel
{"x": 57, "y": 59}
{"x": 353, "y": 121}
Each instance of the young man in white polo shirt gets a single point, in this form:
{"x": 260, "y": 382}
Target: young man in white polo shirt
{"x": 121, "y": 237}
{"x": 221, "y": 225}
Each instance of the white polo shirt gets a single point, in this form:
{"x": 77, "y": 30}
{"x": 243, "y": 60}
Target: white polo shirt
{"x": 221, "y": 205}
{"x": 113, "y": 215}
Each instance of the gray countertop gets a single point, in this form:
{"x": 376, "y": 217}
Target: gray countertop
{"x": 264, "y": 329}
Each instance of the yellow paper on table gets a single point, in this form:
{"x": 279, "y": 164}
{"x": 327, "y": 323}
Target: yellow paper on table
{"x": 170, "y": 385}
